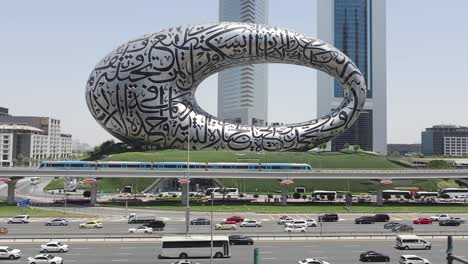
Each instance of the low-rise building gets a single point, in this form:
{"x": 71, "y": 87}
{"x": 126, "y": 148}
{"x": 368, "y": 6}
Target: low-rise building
{"x": 27, "y": 140}
{"x": 445, "y": 140}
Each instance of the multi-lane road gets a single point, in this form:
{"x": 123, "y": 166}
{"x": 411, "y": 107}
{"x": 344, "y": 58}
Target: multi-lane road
{"x": 271, "y": 252}
{"x": 119, "y": 229}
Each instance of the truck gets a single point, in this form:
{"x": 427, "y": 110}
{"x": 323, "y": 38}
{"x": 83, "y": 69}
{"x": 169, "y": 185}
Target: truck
{"x": 133, "y": 218}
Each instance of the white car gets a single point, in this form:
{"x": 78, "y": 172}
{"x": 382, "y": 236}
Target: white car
{"x": 9, "y": 253}
{"x": 19, "y": 219}
{"x": 45, "y": 258}
{"x": 311, "y": 222}
{"x": 297, "y": 223}
{"x": 442, "y": 217}
{"x": 250, "y": 223}
{"x": 54, "y": 246}
{"x": 141, "y": 229}
{"x": 295, "y": 229}
{"x": 285, "y": 221}
{"x": 91, "y": 224}
{"x": 413, "y": 259}
{"x": 312, "y": 261}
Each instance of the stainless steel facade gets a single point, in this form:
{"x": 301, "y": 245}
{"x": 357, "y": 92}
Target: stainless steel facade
{"x": 143, "y": 91}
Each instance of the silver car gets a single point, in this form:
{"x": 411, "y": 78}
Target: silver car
{"x": 57, "y": 222}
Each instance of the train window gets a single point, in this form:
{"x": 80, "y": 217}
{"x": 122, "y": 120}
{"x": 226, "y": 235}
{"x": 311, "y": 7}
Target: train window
{"x": 115, "y": 166}
{"x": 169, "y": 166}
{"x": 100, "y": 165}
{"x": 75, "y": 165}
{"x": 133, "y": 165}
{"x": 56, "y": 165}
{"x": 242, "y": 167}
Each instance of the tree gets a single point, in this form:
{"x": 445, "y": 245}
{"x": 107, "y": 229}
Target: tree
{"x": 322, "y": 147}
{"x": 87, "y": 194}
{"x": 439, "y": 164}
{"x": 356, "y": 147}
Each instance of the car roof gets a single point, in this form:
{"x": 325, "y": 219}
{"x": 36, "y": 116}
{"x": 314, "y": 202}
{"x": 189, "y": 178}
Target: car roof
{"x": 3, "y": 247}
{"x": 410, "y": 256}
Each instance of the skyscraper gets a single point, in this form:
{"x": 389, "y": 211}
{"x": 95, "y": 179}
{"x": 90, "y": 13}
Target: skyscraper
{"x": 358, "y": 28}
{"x": 243, "y": 91}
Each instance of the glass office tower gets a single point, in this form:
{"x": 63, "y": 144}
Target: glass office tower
{"x": 358, "y": 28}
{"x": 243, "y": 91}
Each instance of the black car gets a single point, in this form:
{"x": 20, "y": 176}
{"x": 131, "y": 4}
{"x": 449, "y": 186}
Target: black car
{"x": 372, "y": 256}
{"x": 328, "y": 218}
{"x": 157, "y": 225}
{"x": 381, "y": 218}
{"x": 364, "y": 220}
{"x": 391, "y": 225}
{"x": 450, "y": 222}
{"x": 240, "y": 240}
{"x": 200, "y": 221}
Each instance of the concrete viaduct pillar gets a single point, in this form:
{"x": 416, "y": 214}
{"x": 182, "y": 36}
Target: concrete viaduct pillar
{"x": 185, "y": 192}
{"x": 11, "y": 183}
{"x": 284, "y": 191}
{"x": 93, "y": 197}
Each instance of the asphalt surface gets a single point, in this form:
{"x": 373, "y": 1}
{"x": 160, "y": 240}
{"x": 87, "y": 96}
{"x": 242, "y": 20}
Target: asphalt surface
{"x": 117, "y": 226}
{"x": 335, "y": 252}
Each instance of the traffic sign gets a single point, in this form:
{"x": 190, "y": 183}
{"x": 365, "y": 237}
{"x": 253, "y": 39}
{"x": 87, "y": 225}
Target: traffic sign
{"x": 386, "y": 182}
{"x": 5, "y": 179}
{"x": 89, "y": 180}
{"x": 183, "y": 181}
{"x": 24, "y": 203}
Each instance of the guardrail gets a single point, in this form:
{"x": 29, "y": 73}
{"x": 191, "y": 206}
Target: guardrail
{"x": 287, "y": 237}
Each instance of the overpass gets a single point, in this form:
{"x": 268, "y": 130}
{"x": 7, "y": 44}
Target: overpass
{"x": 16, "y": 173}
{"x": 10, "y": 172}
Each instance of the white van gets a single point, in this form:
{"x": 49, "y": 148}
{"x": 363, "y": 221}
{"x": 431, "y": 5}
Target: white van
{"x": 297, "y": 223}
{"x": 412, "y": 242}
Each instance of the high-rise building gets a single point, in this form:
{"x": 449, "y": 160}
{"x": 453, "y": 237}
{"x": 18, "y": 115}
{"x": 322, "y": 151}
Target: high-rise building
{"x": 3, "y": 111}
{"x": 445, "y": 140}
{"x": 243, "y": 91}
{"x": 28, "y": 140}
{"x": 358, "y": 28}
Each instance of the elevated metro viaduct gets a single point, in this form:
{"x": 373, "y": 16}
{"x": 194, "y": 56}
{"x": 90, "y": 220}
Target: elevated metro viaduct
{"x": 12, "y": 175}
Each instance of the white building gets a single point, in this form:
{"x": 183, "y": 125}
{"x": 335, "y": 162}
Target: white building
{"x": 29, "y": 140}
{"x": 243, "y": 91}
{"x": 358, "y": 28}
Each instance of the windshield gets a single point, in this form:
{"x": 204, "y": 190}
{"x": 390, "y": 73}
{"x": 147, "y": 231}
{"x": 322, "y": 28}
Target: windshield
{"x": 60, "y": 243}
{"x": 50, "y": 256}
{"x": 9, "y": 249}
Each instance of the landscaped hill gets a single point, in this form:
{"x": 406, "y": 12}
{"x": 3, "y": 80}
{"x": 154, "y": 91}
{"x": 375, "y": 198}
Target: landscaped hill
{"x": 332, "y": 160}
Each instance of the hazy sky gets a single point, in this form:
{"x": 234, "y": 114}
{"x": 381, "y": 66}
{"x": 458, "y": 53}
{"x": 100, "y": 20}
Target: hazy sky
{"x": 49, "y": 47}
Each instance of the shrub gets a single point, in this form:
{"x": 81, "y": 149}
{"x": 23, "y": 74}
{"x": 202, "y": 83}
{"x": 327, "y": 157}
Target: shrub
{"x": 270, "y": 195}
{"x": 160, "y": 195}
{"x": 174, "y": 196}
{"x": 255, "y": 195}
{"x": 87, "y": 194}
{"x": 304, "y": 196}
{"x": 296, "y": 195}
{"x": 241, "y": 195}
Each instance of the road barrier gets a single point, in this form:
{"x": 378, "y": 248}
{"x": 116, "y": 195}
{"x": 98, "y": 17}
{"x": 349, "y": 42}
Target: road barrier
{"x": 287, "y": 237}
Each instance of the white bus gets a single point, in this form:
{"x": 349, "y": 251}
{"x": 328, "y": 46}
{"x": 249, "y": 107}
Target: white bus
{"x": 218, "y": 192}
{"x": 198, "y": 246}
{"x": 324, "y": 195}
{"x": 426, "y": 195}
{"x": 397, "y": 195}
{"x": 455, "y": 192}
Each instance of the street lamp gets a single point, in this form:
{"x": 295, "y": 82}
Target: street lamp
{"x": 211, "y": 229}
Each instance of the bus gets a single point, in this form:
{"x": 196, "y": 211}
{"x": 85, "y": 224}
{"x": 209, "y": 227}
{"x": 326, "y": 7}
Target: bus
{"x": 218, "y": 192}
{"x": 396, "y": 195}
{"x": 426, "y": 195}
{"x": 324, "y": 195}
{"x": 199, "y": 246}
{"x": 454, "y": 192}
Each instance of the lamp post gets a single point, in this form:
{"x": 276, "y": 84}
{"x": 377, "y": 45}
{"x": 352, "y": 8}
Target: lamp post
{"x": 211, "y": 229}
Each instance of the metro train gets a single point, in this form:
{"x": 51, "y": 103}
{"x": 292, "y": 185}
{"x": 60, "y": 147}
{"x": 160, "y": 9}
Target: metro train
{"x": 93, "y": 165}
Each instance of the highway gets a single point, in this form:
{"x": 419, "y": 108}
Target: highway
{"x": 7, "y": 172}
{"x": 271, "y": 252}
{"x": 116, "y": 226}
